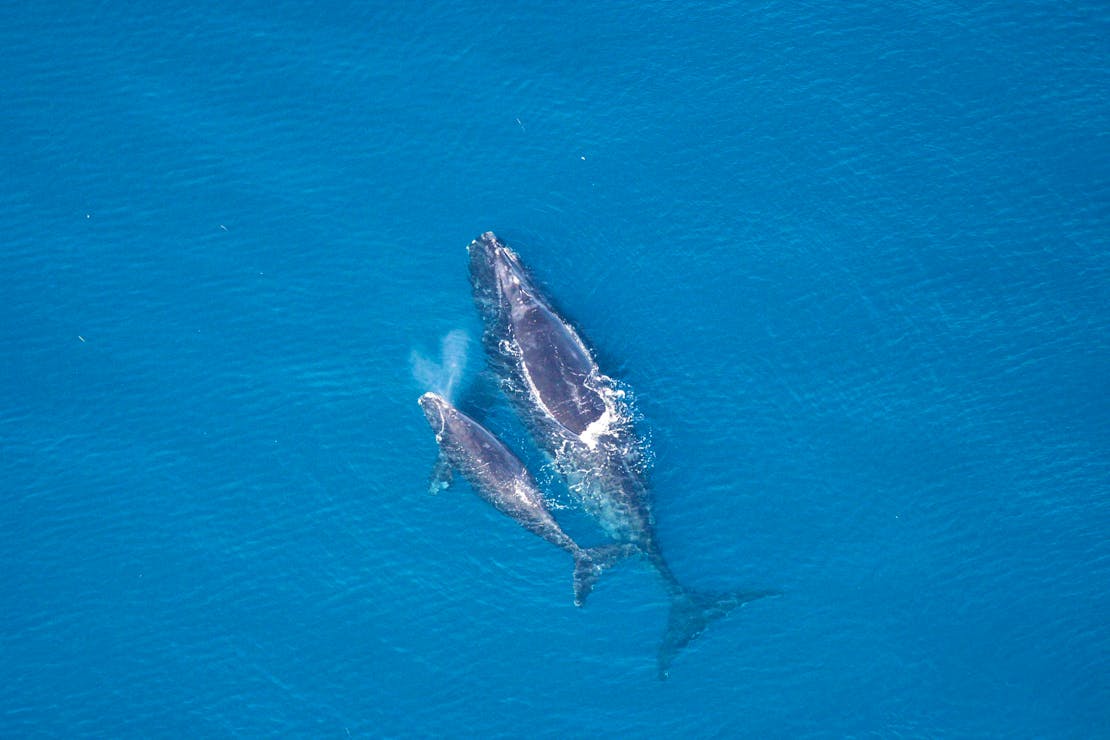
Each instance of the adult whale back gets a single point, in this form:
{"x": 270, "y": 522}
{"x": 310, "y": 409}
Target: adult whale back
{"x": 580, "y": 418}
{"x": 545, "y": 353}
{"x": 498, "y": 476}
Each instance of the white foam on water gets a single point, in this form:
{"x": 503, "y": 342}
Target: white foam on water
{"x": 599, "y": 426}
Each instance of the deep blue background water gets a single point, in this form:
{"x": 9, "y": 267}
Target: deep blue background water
{"x": 853, "y": 259}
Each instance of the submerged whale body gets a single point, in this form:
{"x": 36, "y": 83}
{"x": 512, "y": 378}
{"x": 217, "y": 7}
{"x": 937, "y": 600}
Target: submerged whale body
{"x": 580, "y": 418}
{"x": 498, "y": 476}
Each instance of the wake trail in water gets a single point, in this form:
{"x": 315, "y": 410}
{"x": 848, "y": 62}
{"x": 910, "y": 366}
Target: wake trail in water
{"x": 442, "y": 377}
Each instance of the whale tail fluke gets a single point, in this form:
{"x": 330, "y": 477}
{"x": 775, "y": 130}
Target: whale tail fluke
{"x": 691, "y": 613}
{"x": 590, "y": 563}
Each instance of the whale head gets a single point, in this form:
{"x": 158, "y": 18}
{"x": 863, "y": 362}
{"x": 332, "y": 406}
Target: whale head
{"x": 496, "y": 273}
{"x": 436, "y": 411}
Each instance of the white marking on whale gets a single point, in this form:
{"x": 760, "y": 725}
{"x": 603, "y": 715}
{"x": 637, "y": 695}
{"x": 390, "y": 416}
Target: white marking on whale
{"x": 577, "y": 415}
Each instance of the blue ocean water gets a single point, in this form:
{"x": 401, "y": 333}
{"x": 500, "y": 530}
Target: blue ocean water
{"x": 852, "y": 259}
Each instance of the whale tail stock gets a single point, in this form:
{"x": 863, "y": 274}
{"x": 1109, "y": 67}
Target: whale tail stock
{"x": 691, "y": 613}
{"x": 590, "y": 563}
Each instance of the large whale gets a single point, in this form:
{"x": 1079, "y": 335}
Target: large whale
{"x": 499, "y": 477}
{"x": 580, "y": 418}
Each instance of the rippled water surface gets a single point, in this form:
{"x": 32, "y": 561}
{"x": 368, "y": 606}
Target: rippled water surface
{"x": 852, "y": 259}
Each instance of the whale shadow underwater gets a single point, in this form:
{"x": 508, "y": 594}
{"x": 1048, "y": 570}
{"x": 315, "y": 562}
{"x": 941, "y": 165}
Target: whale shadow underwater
{"x": 582, "y": 421}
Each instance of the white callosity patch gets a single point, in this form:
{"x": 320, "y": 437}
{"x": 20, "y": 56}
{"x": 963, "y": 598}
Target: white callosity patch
{"x": 432, "y": 400}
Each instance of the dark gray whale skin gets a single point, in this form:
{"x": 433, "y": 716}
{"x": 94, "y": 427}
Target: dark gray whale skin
{"x": 556, "y": 388}
{"x": 574, "y": 413}
{"x": 498, "y": 476}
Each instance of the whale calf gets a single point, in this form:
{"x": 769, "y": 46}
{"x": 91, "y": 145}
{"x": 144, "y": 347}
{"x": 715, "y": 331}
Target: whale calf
{"x": 580, "y": 418}
{"x": 498, "y": 476}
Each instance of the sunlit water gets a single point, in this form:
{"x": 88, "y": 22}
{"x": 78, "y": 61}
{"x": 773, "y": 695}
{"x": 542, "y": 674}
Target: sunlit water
{"x": 852, "y": 260}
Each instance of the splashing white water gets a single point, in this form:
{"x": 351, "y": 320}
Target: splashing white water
{"x": 442, "y": 377}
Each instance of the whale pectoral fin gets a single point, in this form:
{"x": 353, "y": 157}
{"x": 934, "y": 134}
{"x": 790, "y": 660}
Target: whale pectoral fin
{"x": 442, "y": 475}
